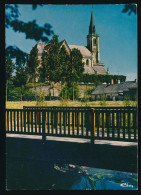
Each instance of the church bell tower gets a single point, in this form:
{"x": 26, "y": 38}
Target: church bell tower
{"x": 93, "y": 41}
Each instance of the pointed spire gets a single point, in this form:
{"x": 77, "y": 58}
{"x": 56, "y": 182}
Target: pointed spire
{"x": 92, "y": 29}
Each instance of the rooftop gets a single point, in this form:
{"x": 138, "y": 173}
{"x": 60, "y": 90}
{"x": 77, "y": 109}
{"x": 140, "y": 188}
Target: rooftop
{"x": 84, "y": 51}
{"x": 115, "y": 88}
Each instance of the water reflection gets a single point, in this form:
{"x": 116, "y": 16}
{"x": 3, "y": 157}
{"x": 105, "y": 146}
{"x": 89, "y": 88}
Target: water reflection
{"x": 87, "y": 178}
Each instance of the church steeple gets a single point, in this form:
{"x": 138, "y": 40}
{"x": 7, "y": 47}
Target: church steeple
{"x": 92, "y": 29}
{"x": 93, "y": 41}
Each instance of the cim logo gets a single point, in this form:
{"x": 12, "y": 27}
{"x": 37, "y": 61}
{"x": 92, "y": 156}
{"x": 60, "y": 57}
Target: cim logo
{"x": 126, "y": 185}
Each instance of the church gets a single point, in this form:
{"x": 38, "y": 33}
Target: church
{"x": 90, "y": 53}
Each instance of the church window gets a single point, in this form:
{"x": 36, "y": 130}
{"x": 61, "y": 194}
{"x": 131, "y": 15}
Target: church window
{"x": 87, "y": 62}
{"x": 94, "y": 41}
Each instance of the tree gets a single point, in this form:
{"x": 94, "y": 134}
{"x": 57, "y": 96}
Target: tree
{"x": 31, "y": 30}
{"x": 33, "y": 63}
{"x": 76, "y": 68}
{"x": 50, "y": 60}
{"x": 130, "y": 8}
{"x": 9, "y": 66}
{"x": 20, "y": 80}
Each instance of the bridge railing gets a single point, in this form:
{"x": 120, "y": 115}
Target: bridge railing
{"x": 106, "y": 123}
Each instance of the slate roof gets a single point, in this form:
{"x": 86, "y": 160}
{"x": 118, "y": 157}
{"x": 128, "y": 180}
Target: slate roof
{"x": 114, "y": 88}
{"x": 131, "y": 84}
{"x": 84, "y": 51}
{"x": 100, "y": 89}
{"x": 95, "y": 70}
{"x": 99, "y": 69}
{"x": 89, "y": 70}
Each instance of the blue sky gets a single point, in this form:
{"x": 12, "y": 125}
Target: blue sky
{"x": 117, "y": 32}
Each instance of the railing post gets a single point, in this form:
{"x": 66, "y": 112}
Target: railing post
{"x": 43, "y": 125}
{"x": 92, "y": 126}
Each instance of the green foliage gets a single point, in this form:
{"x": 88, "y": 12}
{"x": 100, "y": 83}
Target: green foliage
{"x": 126, "y": 101}
{"x": 103, "y": 100}
{"x": 98, "y": 79}
{"x": 40, "y": 98}
{"x": 30, "y": 29}
{"x": 9, "y": 67}
{"x": 14, "y": 93}
{"x": 85, "y": 99}
{"x": 51, "y": 61}
{"x": 70, "y": 90}
{"x": 15, "y": 53}
{"x": 59, "y": 65}
{"x": 33, "y": 63}
{"x": 20, "y": 80}
{"x": 76, "y": 65}
{"x": 64, "y": 71}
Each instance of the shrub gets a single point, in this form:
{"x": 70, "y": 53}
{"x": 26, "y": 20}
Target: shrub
{"x": 68, "y": 90}
{"x": 126, "y": 101}
{"x": 103, "y": 100}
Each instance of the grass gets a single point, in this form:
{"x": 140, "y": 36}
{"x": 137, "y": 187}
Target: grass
{"x": 20, "y": 104}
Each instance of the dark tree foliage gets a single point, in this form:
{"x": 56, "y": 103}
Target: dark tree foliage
{"x": 20, "y": 80}
{"x": 9, "y": 67}
{"x": 33, "y": 63}
{"x": 98, "y": 79}
{"x": 130, "y": 8}
{"x": 31, "y": 30}
{"x": 59, "y": 65}
{"x": 15, "y": 53}
{"x": 50, "y": 61}
{"x": 64, "y": 65}
{"x": 77, "y": 67}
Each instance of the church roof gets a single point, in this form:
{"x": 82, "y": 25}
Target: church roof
{"x": 89, "y": 70}
{"x": 99, "y": 69}
{"x": 84, "y": 51}
{"x": 95, "y": 70}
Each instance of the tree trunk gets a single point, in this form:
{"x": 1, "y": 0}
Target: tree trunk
{"x": 73, "y": 91}
{"x": 50, "y": 92}
{"x": 35, "y": 88}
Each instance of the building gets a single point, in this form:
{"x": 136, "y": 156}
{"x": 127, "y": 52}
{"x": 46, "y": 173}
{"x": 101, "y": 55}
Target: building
{"x": 116, "y": 91}
{"x": 90, "y": 53}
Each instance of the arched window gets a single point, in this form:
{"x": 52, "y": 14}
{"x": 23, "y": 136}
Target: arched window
{"x": 87, "y": 62}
